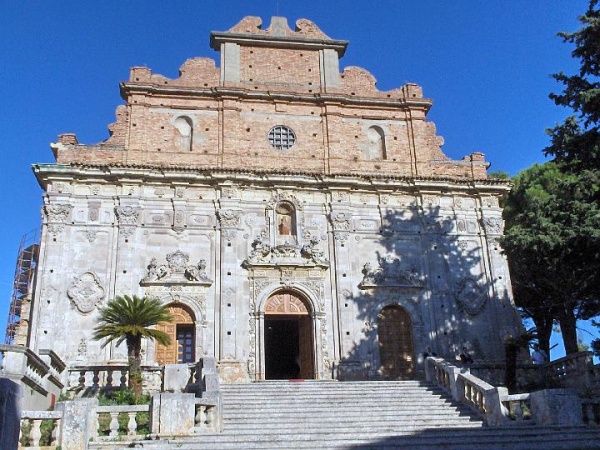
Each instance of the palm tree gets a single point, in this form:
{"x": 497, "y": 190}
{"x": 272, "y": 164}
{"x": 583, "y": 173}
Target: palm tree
{"x": 129, "y": 319}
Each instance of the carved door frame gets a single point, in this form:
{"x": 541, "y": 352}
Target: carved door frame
{"x": 257, "y": 368}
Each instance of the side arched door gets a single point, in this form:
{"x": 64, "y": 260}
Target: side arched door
{"x": 395, "y": 343}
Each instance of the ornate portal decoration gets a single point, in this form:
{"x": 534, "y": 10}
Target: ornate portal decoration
{"x": 493, "y": 225}
{"x": 176, "y": 271}
{"x": 86, "y": 292}
{"x": 469, "y": 296}
{"x": 390, "y": 273}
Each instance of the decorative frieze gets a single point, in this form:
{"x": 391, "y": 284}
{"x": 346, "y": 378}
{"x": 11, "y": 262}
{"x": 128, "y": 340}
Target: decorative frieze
{"x": 229, "y": 218}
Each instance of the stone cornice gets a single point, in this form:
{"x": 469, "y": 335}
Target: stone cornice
{"x": 218, "y": 93}
{"x": 257, "y": 40}
{"x": 156, "y": 174}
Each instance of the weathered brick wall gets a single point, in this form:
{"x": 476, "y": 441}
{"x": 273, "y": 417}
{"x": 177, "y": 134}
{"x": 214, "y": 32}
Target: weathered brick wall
{"x": 199, "y": 121}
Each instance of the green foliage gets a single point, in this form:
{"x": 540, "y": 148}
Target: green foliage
{"x": 576, "y": 142}
{"x": 131, "y": 319}
{"x": 552, "y": 240}
{"x": 553, "y": 213}
{"x": 499, "y": 175}
{"x": 127, "y": 317}
{"x": 123, "y": 397}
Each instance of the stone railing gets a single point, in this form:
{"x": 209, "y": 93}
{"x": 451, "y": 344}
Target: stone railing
{"x": 40, "y": 429}
{"x": 544, "y": 407}
{"x": 576, "y": 371}
{"x": 43, "y": 374}
{"x": 86, "y": 381}
{"x": 121, "y": 422}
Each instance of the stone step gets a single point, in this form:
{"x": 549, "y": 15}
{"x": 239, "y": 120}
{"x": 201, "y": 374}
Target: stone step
{"x": 513, "y": 438}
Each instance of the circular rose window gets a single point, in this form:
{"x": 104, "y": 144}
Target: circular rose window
{"x": 281, "y": 137}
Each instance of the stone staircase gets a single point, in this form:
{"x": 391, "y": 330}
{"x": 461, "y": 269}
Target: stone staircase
{"x": 364, "y": 415}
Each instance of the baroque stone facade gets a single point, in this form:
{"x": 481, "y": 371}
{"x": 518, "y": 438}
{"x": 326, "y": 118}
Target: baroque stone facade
{"x": 303, "y": 223}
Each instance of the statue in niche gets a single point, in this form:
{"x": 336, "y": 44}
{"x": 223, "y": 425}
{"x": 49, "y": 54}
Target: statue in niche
{"x": 285, "y": 216}
{"x": 284, "y": 226}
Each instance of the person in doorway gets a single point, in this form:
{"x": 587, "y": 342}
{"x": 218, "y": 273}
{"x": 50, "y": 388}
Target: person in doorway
{"x": 465, "y": 356}
{"x": 539, "y": 356}
{"x": 428, "y": 352}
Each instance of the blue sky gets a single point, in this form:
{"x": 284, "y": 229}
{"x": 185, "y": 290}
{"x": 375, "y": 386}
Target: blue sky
{"x": 486, "y": 65}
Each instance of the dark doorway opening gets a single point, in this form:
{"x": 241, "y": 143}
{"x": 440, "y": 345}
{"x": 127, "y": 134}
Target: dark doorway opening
{"x": 282, "y": 348}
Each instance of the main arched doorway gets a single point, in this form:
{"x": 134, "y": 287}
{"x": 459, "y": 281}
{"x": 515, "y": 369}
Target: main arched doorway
{"x": 181, "y": 330}
{"x": 288, "y": 338}
{"x": 395, "y": 342}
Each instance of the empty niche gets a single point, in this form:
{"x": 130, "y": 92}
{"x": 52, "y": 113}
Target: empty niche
{"x": 375, "y": 148}
{"x": 185, "y": 128}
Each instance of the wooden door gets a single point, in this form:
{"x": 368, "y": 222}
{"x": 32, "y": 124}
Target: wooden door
{"x": 182, "y": 320}
{"x": 395, "y": 343}
{"x": 305, "y": 344}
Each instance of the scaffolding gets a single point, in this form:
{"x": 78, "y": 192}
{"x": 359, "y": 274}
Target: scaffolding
{"x": 18, "y": 313}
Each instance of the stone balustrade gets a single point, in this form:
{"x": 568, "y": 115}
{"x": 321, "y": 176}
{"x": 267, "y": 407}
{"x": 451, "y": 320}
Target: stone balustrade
{"x": 562, "y": 407}
{"x": 43, "y": 375}
{"x": 574, "y": 371}
{"x": 129, "y": 428}
{"x": 33, "y": 437}
{"x": 90, "y": 379}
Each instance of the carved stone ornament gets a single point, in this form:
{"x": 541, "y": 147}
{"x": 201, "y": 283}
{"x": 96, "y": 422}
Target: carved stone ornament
{"x": 127, "y": 215}
{"x": 469, "y": 296}
{"x": 493, "y": 225}
{"x": 390, "y": 273}
{"x": 86, "y": 292}
{"x": 340, "y": 221}
{"x": 285, "y": 197}
{"x": 176, "y": 271}
{"x": 58, "y": 212}
{"x": 229, "y": 218}
{"x": 262, "y": 253}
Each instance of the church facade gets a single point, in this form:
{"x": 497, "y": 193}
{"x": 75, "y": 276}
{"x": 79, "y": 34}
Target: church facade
{"x": 298, "y": 222}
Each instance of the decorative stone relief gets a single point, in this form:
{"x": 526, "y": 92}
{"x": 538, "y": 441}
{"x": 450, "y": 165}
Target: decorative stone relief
{"x": 285, "y": 197}
{"x": 177, "y": 270}
{"x": 469, "y": 296}
{"x": 57, "y": 215}
{"x": 232, "y": 191}
{"x": 286, "y": 253}
{"x": 82, "y": 347}
{"x": 179, "y": 219}
{"x": 86, "y": 292}
{"x": 91, "y": 235}
{"x": 441, "y": 225}
{"x": 493, "y": 225}
{"x": 93, "y": 212}
{"x": 127, "y": 217}
{"x": 229, "y": 218}
{"x": 228, "y": 234}
{"x": 390, "y": 273}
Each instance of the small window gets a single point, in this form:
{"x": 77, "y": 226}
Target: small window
{"x": 281, "y": 137}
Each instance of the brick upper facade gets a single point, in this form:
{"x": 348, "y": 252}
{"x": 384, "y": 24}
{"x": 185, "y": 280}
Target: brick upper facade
{"x": 219, "y": 118}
